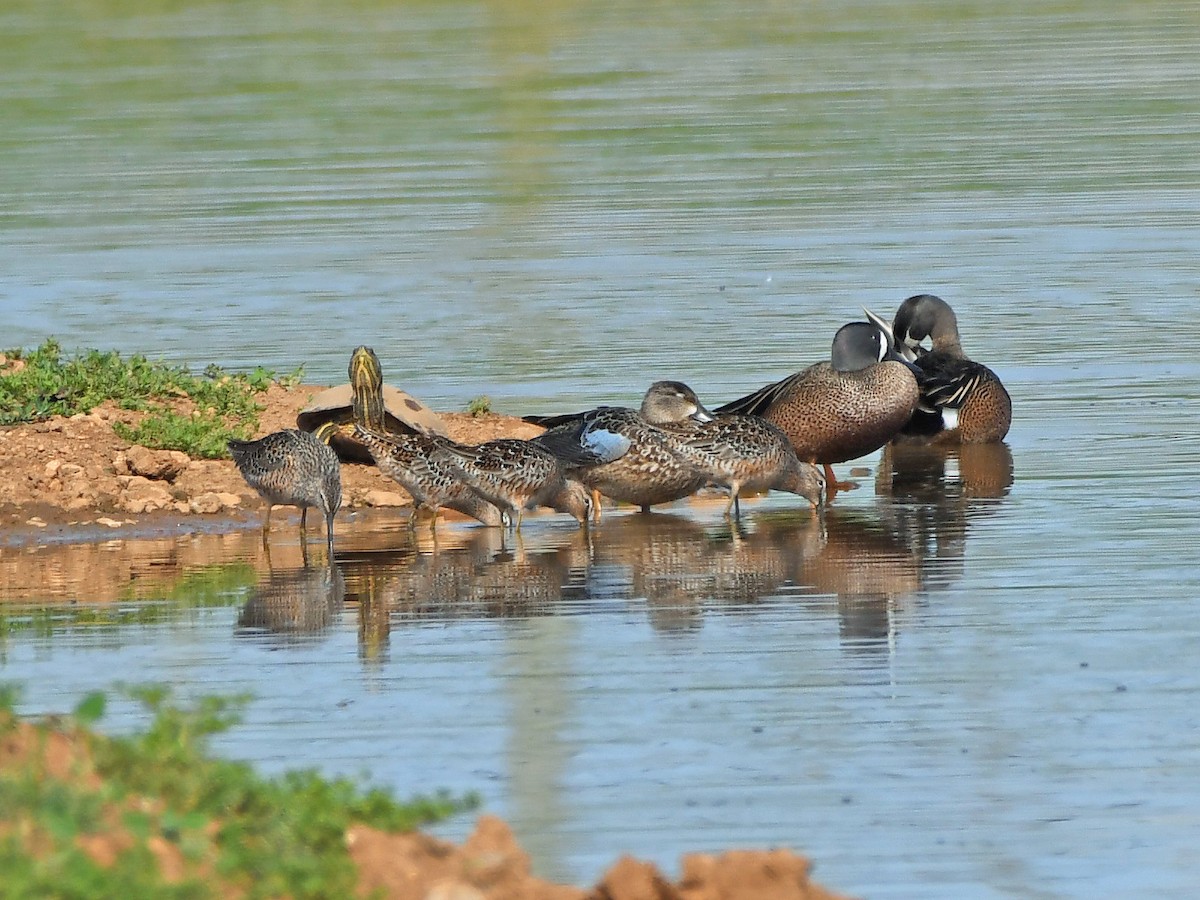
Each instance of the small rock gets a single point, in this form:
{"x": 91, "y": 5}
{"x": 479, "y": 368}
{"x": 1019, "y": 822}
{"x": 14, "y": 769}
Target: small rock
{"x": 231, "y": 501}
{"x": 384, "y": 498}
{"x": 36, "y": 521}
{"x": 109, "y": 523}
{"x": 454, "y": 890}
{"x": 79, "y": 487}
{"x": 69, "y": 470}
{"x": 142, "y": 495}
{"x": 52, "y": 467}
{"x": 121, "y": 463}
{"x": 78, "y": 503}
{"x": 161, "y": 465}
{"x": 206, "y": 504}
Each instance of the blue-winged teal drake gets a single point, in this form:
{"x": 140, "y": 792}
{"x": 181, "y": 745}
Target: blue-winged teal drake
{"x": 748, "y": 453}
{"x": 962, "y": 401}
{"x": 517, "y": 475}
{"x": 408, "y": 459}
{"x": 843, "y": 408}
{"x": 292, "y": 468}
{"x": 651, "y": 470}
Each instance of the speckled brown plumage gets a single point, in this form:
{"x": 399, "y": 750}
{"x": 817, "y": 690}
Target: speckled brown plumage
{"x": 515, "y": 475}
{"x": 844, "y": 408}
{"x": 651, "y": 470}
{"x": 407, "y": 460}
{"x": 292, "y": 468}
{"x": 950, "y": 380}
{"x": 748, "y": 453}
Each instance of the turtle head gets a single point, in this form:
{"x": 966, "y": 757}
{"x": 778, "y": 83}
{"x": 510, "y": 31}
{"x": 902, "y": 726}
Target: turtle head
{"x": 365, "y": 369}
{"x": 366, "y": 380}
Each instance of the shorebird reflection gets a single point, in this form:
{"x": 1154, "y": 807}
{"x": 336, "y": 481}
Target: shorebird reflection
{"x": 292, "y": 606}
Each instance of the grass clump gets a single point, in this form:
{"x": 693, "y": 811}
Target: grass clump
{"x": 195, "y": 414}
{"x": 159, "y": 793}
{"x": 480, "y": 406}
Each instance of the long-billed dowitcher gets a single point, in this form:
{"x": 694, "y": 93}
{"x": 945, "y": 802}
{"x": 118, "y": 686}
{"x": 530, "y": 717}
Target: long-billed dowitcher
{"x": 292, "y": 468}
{"x": 517, "y": 475}
{"x": 432, "y": 483}
{"x": 748, "y": 453}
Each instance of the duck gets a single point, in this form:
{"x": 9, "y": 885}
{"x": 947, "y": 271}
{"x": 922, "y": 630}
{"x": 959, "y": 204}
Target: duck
{"x": 962, "y": 401}
{"x": 651, "y": 469}
{"x": 844, "y": 407}
{"x": 293, "y": 468}
{"x": 748, "y": 453}
{"x": 409, "y": 460}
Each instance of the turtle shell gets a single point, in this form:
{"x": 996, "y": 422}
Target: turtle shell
{"x": 403, "y": 413}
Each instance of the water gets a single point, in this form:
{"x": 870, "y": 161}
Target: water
{"x": 974, "y": 678}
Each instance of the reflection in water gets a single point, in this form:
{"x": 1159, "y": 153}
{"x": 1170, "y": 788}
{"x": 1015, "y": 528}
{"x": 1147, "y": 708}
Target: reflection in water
{"x": 935, "y": 493}
{"x": 294, "y": 605}
{"x": 677, "y": 566}
{"x": 866, "y": 560}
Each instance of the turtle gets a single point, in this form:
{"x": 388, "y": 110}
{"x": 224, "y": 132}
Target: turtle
{"x": 373, "y": 404}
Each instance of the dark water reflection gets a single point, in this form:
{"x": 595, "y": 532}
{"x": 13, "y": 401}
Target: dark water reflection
{"x": 860, "y": 563}
{"x": 932, "y": 495}
{"x": 293, "y": 605}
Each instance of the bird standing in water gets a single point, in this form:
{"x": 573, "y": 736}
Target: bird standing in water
{"x": 962, "y": 401}
{"x": 293, "y": 468}
{"x": 845, "y": 407}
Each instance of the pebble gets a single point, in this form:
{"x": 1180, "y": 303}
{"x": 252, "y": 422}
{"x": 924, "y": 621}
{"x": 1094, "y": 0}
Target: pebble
{"x": 384, "y": 498}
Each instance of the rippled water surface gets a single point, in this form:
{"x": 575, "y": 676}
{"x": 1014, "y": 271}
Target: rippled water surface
{"x": 975, "y": 676}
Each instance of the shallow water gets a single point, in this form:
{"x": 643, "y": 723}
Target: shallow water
{"x": 974, "y": 677}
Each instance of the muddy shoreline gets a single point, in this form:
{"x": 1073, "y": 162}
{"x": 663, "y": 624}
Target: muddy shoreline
{"x": 74, "y": 480}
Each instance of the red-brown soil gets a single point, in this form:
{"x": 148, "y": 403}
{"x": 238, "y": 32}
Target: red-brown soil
{"x": 76, "y": 472}
{"x": 489, "y": 865}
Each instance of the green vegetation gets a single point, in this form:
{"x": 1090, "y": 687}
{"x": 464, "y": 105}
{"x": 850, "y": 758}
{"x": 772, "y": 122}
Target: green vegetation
{"x": 159, "y": 793}
{"x": 183, "y": 412}
{"x": 480, "y": 406}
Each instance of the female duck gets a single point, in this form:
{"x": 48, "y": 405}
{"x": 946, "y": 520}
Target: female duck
{"x": 651, "y": 469}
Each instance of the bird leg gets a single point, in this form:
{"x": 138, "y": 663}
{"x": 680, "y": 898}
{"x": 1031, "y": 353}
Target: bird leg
{"x": 734, "y": 505}
{"x": 832, "y": 485}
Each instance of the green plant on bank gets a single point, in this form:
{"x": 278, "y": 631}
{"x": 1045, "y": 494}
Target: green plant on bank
{"x": 262, "y": 837}
{"x": 222, "y": 403}
{"x": 480, "y": 406}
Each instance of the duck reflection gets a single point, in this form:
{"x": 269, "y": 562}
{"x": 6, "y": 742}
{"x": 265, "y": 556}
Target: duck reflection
{"x": 932, "y": 495}
{"x": 292, "y": 606}
{"x": 864, "y": 561}
{"x": 865, "y": 570}
{"x": 679, "y": 566}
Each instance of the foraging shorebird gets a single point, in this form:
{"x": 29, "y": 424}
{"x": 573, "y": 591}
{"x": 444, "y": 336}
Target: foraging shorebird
{"x": 292, "y": 468}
